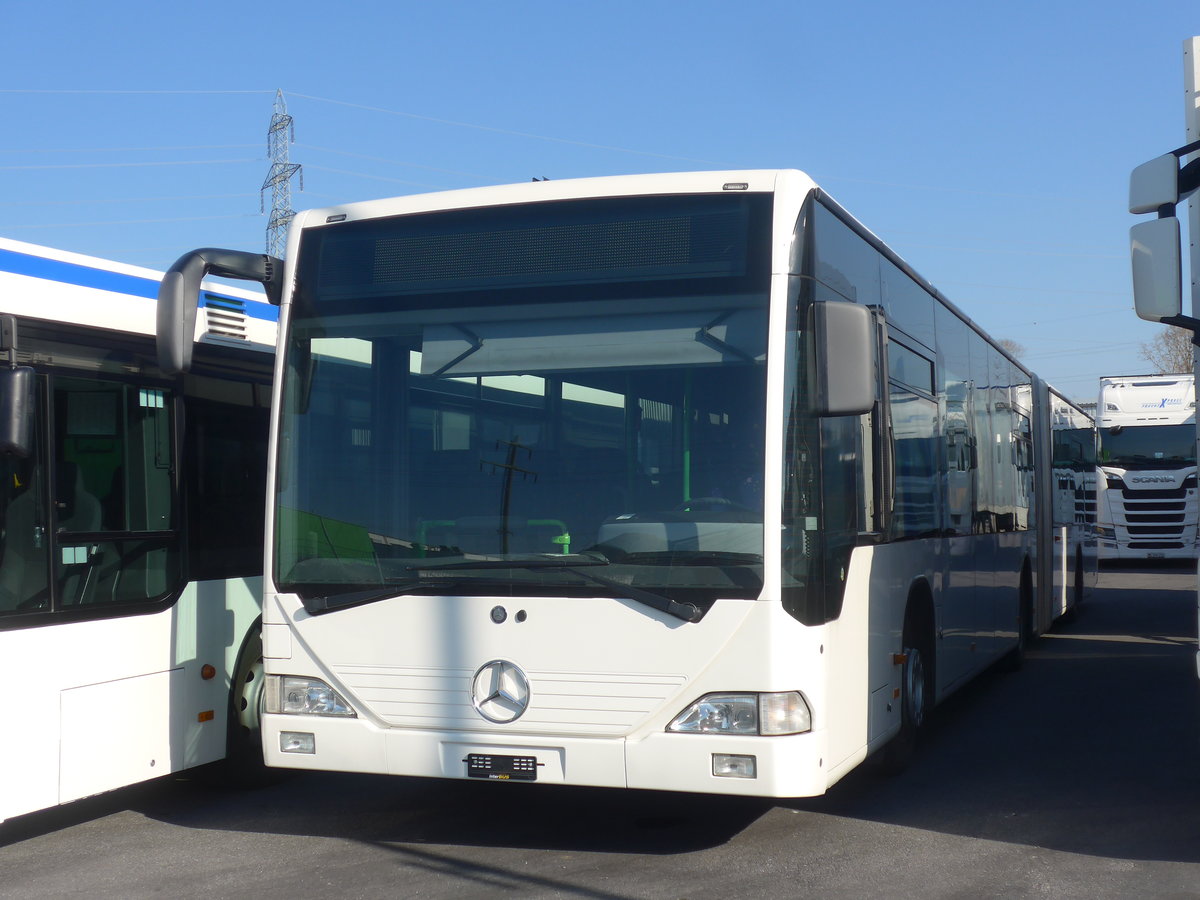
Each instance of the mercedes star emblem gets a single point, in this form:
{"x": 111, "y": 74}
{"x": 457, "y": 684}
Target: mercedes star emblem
{"x": 500, "y": 691}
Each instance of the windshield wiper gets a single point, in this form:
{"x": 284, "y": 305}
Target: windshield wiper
{"x": 343, "y": 599}
{"x": 689, "y": 612}
{"x": 550, "y": 561}
{"x": 691, "y": 558}
{"x": 317, "y": 605}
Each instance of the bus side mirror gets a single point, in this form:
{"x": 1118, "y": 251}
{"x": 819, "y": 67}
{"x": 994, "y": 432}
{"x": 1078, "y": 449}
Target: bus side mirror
{"x": 844, "y": 355}
{"x": 178, "y": 297}
{"x": 1157, "y": 270}
{"x": 18, "y": 402}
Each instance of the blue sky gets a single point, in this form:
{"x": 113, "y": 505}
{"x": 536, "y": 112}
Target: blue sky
{"x": 989, "y": 144}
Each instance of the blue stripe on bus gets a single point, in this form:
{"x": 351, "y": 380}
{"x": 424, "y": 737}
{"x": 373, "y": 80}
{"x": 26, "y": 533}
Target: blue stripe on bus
{"x": 120, "y": 283}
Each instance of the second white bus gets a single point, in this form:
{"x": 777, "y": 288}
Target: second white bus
{"x": 132, "y": 512}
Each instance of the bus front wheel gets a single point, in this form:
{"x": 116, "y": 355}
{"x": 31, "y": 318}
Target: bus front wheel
{"x": 898, "y": 753}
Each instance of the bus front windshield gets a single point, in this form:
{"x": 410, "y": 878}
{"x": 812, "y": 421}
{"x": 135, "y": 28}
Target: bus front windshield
{"x": 530, "y": 401}
{"x": 1149, "y": 446}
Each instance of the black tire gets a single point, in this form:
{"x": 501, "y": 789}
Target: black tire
{"x": 1015, "y": 659}
{"x": 1078, "y": 579}
{"x": 915, "y": 686}
{"x": 243, "y": 765}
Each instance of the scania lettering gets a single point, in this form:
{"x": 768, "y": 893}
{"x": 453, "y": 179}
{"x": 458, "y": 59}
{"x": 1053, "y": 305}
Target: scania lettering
{"x": 680, "y": 482}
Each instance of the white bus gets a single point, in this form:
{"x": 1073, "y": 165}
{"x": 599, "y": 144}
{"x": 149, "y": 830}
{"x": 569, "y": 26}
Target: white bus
{"x": 1146, "y": 492}
{"x": 682, "y": 482}
{"x": 132, "y": 512}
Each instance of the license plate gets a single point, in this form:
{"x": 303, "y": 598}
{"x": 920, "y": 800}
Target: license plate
{"x": 501, "y": 768}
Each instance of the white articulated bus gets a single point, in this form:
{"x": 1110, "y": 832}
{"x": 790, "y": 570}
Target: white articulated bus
{"x": 1146, "y": 497}
{"x": 132, "y": 511}
{"x": 680, "y": 481}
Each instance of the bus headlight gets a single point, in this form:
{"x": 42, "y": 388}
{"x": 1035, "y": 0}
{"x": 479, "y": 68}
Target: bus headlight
{"x": 749, "y": 713}
{"x": 298, "y": 696}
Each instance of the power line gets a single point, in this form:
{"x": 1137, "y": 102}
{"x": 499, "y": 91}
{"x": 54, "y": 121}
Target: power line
{"x": 394, "y": 162}
{"x": 495, "y": 130}
{"x": 123, "y": 200}
{"x": 18, "y": 227}
{"x": 91, "y": 91}
{"x": 131, "y": 165}
{"x": 530, "y": 135}
{"x": 126, "y": 149}
{"x": 374, "y": 177}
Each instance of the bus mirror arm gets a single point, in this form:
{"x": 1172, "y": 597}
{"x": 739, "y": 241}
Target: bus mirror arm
{"x": 1188, "y": 323}
{"x": 179, "y": 296}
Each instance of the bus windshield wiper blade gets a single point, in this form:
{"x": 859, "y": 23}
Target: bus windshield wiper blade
{"x": 691, "y": 558}
{"x": 343, "y": 599}
{"x": 689, "y": 612}
{"x": 573, "y": 561}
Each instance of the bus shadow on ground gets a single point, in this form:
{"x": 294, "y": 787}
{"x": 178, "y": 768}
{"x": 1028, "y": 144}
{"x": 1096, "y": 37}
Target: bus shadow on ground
{"x": 1091, "y": 748}
{"x": 397, "y": 810}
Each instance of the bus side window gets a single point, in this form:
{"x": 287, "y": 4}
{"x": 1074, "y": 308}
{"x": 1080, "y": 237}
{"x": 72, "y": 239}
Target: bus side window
{"x": 113, "y": 469}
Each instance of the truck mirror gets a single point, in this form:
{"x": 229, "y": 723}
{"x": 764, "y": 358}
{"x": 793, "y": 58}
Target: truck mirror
{"x": 1157, "y": 272}
{"x": 1154, "y": 184}
{"x": 844, "y": 356}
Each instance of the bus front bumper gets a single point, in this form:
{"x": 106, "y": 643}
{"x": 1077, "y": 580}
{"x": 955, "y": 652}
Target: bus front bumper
{"x": 781, "y": 766}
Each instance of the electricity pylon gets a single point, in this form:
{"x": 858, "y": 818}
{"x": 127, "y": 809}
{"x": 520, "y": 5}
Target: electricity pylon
{"x": 279, "y": 178}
